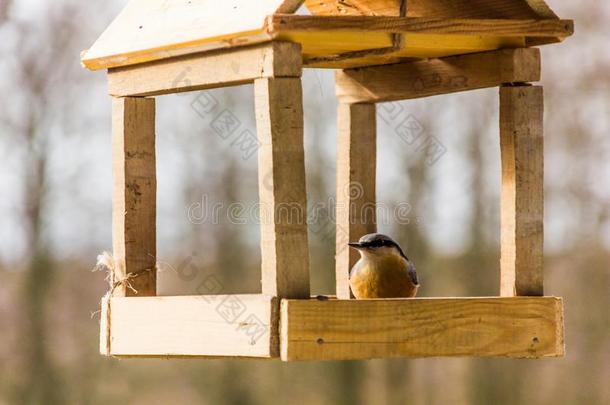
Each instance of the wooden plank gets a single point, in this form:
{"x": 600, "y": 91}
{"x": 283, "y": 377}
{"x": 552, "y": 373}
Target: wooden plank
{"x": 356, "y": 171}
{"x": 288, "y": 6}
{"x": 127, "y": 44}
{"x": 282, "y": 191}
{"x": 355, "y": 7}
{"x": 522, "y": 149}
{"x": 155, "y": 29}
{"x": 427, "y": 327}
{"x": 437, "y": 76}
{"x": 343, "y": 42}
{"x": 134, "y": 205}
{"x": 440, "y": 45}
{"x": 325, "y": 43}
{"x": 463, "y": 26}
{"x": 352, "y": 62}
{"x": 198, "y": 72}
{"x": 420, "y": 46}
{"x": 434, "y": 8}
{"x": 227, "y": 325}
{"x": 105, "y": 326}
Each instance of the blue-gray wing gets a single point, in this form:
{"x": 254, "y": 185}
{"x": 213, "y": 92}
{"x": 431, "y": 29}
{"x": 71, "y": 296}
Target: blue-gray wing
{"x": 412, "y": 273}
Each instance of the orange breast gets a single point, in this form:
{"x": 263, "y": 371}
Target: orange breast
{"x": 384, "y": 278}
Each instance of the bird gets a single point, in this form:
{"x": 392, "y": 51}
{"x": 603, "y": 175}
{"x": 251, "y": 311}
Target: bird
{"x": 383, "y": 271}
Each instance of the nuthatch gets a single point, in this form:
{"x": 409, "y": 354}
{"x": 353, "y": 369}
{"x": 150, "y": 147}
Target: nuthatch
{"x": 383, "y": 271}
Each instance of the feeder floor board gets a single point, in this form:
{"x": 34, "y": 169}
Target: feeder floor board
{"x": 190, "y": 326}
{"x": 517, "y": 327}
{"x": 249, "y": 326}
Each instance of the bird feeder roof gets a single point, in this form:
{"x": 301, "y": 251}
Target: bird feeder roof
{"x": 337, "y": 34}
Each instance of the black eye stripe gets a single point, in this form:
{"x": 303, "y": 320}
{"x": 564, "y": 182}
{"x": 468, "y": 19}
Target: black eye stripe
{"x": 379, "y": 243}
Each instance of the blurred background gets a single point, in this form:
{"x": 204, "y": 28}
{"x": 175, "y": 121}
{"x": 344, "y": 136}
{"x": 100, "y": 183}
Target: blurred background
{"x": 55, "y": 218}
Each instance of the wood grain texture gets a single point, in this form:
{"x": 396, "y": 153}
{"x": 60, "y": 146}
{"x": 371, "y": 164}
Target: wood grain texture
{"x": 438, "y": 76}
{"x": 354, "y": 61}
{"x": 437, "y": 327}
{"x": 282, "y": 189}
{"x": 522, "y": 214}
{"x": 210, "y": 326}
{"x": 289, "y": 6}
{"x": 134, "y": 195}
{"x": 356, "y": 176}
{"x": 206, "y": 71}
{"x": 155, "y": 29}
{"x": 354, "y": 7}
{"x": 434, "y": 8}
{"x": 464, "y": 26}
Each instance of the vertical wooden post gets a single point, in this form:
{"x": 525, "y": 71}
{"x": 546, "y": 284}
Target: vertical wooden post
{"x": 283, "y": 196}
{"x": 356, "y": 170}
{"x": 134, "y": 195}
{"x": 521, "y": 138}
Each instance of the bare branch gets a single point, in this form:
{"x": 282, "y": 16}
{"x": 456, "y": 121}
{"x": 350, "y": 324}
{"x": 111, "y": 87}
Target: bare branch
{"x": 5, "y": 7}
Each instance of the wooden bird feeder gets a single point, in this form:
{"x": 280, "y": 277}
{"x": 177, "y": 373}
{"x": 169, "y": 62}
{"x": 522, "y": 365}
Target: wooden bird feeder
{"x": 385, "y": 50}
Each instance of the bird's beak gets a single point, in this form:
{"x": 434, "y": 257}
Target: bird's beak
{"x": 355, "y": 245}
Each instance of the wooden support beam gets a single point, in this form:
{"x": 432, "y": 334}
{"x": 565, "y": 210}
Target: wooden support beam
{"x": 356, "y": 169}
{"x": 493, "y": 27}
{"x": 134, "y": 196}
{"x": 523, "y": 327}
{"x": 205, "y": 71}
{"x": 522, "y": 149}
{"x": 438, "y": 76}
{"x": 219, "y": 325}
{"x": 283, "y": 197}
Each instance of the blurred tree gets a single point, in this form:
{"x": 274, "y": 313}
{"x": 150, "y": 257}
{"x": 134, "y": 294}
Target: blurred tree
{"x": 5, "y": 8}
{"x": 42, "y": 56}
